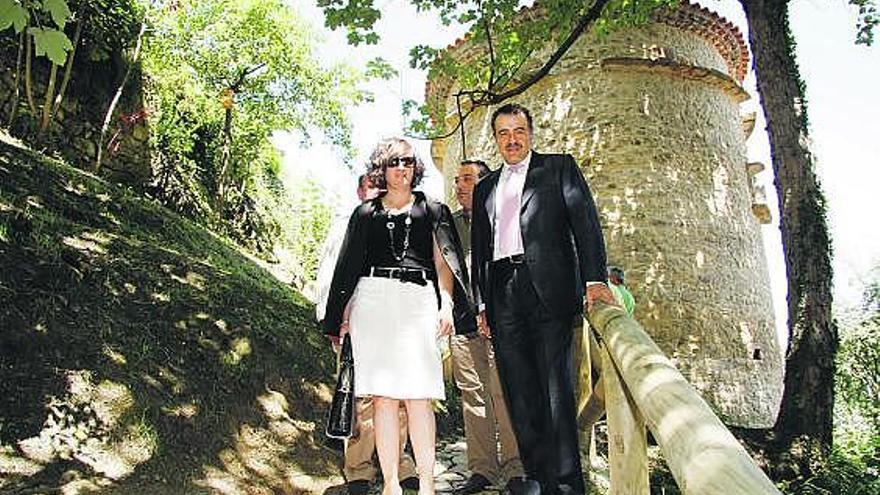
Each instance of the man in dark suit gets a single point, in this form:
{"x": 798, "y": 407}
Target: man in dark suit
{"x": 537, "y": 250}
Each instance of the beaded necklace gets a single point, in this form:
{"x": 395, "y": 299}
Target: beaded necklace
{"x": 391, "y": 226}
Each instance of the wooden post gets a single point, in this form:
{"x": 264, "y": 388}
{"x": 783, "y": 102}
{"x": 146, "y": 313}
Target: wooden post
{"x": 583, "y": 366}
{"x": 593, "y": 408}
{"x": 627, "y": 441}
{"x": 704, "y": 457}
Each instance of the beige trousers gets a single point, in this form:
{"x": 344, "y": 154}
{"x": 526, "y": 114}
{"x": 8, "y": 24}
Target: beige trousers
{"x": 491, "y": 444}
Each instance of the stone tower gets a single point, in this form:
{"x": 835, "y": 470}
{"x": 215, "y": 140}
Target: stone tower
{"x": 652, "y": 115}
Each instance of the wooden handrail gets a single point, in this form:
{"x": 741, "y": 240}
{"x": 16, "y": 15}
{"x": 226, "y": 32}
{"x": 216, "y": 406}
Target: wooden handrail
{"x": 702, "y": 454}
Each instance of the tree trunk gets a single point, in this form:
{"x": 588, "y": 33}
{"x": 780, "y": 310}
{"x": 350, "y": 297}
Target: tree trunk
{"x": 46, "y": 118}
{"x": 225, "y": 159}
{"x": 803, "y": 430}
{"x": 68, "y": 69}
{"x": 28, "y": 73}
{"x": 115, "y": 101}
{"x": 16, "y": 95}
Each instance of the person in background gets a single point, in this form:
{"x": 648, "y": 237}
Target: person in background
{"x": 491, "y": 445}
{"x": 538, "y": 261}
{"x": 359, "y": 467}
{"x": 399, "y": 286}
{"x": 621, "y": 293}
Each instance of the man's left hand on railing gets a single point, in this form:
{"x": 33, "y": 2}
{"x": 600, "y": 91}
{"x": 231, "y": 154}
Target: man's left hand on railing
{"x": 598, "y": 291}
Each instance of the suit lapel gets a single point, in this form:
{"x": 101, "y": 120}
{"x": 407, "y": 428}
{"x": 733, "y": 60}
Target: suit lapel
{"x": 529, "y": 187}
{"x": 490, "y": 198}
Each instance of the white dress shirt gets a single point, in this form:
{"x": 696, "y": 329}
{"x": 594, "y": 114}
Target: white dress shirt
{"x": 518, "y": 181}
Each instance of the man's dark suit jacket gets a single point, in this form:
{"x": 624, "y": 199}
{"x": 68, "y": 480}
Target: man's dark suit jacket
{"x": 562, "y": 238}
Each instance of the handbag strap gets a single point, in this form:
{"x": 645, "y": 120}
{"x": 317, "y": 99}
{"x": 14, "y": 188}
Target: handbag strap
{"x": 347, "y": 355}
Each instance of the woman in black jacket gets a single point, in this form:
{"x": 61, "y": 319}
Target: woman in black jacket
{"x": 400, "y": 286}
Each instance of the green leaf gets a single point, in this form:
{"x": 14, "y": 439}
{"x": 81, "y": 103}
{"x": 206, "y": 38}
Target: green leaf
{"x": 58, "y": 10}
{"x": 12, "y": 14}
{"x": 52, "y": 43}
{"x": 379, "y": 68}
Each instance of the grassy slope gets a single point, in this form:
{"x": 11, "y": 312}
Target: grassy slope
{"x": 141, "y": 354}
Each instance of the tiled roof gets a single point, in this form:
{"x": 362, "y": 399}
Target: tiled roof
{"x": 721, "y": 33}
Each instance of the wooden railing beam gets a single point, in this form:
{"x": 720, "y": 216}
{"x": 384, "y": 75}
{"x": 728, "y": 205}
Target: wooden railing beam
{"x": 704, "y": 457}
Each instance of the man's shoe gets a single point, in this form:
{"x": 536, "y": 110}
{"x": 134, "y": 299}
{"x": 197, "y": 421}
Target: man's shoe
{"x": 522, "y": 486}
{"x": 411, "y": 483}
{"x": 358, "y": 487}
{"x": 475, "y": 484}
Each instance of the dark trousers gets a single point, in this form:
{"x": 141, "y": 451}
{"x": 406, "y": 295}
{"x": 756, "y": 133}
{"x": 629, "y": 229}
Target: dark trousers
{"x": 533, "y": 355}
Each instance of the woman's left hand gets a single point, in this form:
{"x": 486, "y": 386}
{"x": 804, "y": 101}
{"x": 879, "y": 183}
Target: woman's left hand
{"x": 445, "y": 323}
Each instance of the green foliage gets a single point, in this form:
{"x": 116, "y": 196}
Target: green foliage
{"x": 198, "y": 49}
{"x": 868, "y": 19}
{"x": 506, "y": 42}
{"x": 450, "y": 423}
{"x": 14, "y": 14}
{"x": 857, "y": 386}
{"x": 58, "y": 10}
{"x": 111, "y": 28}
{"x": 840, "y": 474}
{"x": 379, "y": 68}
{"x": 51, "y": 43}
{"x": 48, "y": 41}
{"x": 305, "y": 217}
{"x": 357, "y": 16}
{"x": 261, "y": 52}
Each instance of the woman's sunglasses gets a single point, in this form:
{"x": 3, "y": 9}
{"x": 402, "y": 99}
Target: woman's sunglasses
{"x": 406, "y": 161}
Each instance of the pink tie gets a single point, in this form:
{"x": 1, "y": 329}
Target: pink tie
{"x": 508, "y": 214}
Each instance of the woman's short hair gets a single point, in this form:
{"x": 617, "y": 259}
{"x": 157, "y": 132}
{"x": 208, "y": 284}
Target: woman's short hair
{"x": 387, "y": 150}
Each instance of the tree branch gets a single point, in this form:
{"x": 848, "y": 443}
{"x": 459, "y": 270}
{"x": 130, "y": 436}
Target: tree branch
{"x": 481, "y": 98}
{"x": 70, "y": 56}
{"x": 28, "y": 71}
{"x": 491, "y": 48}
{"x": 583, "y": 23}
{"x": 244, "y": 74}
{"x": 463, "y": 137}
{"x": 115, "y": 100}
{"x": 502, "y": 81}
{"x": 455, "y": 129}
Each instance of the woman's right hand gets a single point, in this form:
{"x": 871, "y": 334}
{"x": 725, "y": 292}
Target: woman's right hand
{"x": 343, "y": 329}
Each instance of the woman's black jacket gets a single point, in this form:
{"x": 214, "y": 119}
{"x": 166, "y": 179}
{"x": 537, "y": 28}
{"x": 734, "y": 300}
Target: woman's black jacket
{"x": 351, "y": 264}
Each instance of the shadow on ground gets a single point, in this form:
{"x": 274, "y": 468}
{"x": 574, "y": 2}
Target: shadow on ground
{"x": 139, "y": 353}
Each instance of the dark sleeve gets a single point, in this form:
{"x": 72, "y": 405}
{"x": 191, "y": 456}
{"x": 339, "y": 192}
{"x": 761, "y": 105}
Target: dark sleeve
{"x": 349, "y": 265}
{"x": 478, "y": 243}
{"x": 583, "y": 220}
{"x": 461, "y": 295}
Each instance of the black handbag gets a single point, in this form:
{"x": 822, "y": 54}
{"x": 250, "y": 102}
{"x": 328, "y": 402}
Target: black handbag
{"x": 341, "y": 419}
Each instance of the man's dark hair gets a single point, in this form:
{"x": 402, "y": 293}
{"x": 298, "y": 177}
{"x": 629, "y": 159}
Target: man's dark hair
{"x": 512, "y": 109}
{"x": 482, "y": 169}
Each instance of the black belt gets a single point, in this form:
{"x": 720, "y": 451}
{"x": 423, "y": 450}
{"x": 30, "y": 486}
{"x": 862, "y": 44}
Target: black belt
{"x": 516, "y": 259}
{"x": 408, "y": 275}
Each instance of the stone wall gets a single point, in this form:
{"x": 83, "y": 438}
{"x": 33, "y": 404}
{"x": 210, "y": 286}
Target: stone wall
{"x": 652, "y": 115}
{"x": 76, "y": 128}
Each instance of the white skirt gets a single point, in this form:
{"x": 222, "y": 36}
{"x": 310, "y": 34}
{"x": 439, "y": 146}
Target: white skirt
{"x": 393, "y": 329}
